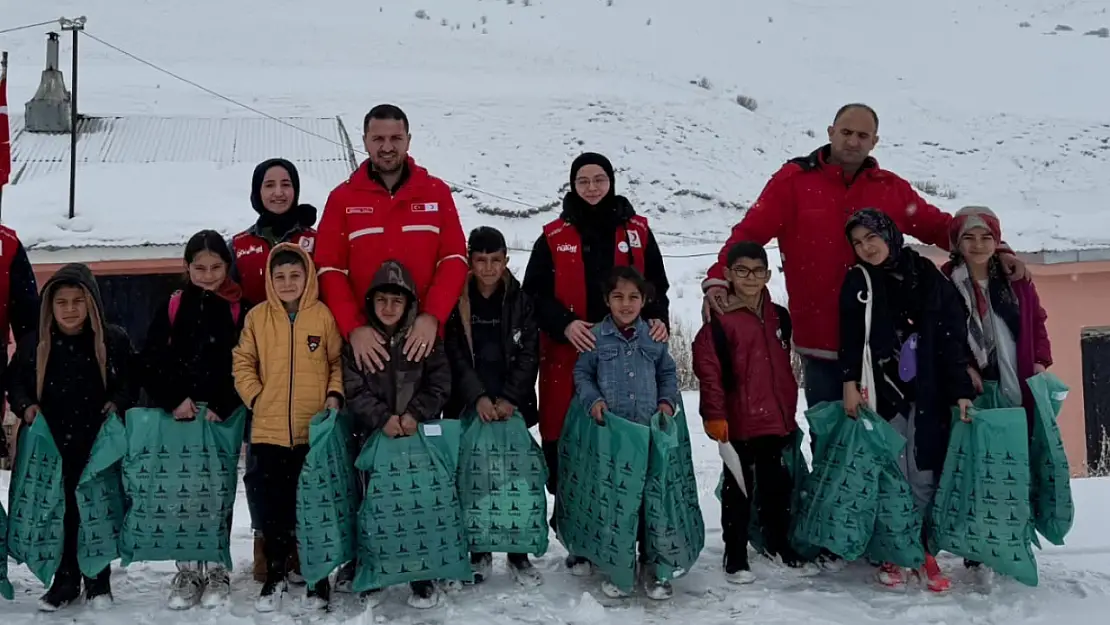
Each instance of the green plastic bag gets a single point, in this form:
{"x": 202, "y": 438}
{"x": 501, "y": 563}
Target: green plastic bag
{"x": 602, "y": 475}
{"x": 675, "y": 530}
{"x": 6, "y": 590}
{"x": 1053, "y": 508}
{"x": 839, "y": 504}
{"x": 100, "y": 500}
{"x": 502, "y": 477}
{"x": 327, "y": 498}
{"x": 36, "y": 530}
{"x": 180, "y": 478}
{"x": 898, "y": 523}
{"x": 410, "y": 522}
{"x": 981, "y": 511}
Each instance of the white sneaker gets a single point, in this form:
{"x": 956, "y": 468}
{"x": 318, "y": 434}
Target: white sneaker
{"x": 609, "y": 589}
{"x": 832, "y": 565}
{"x": 657, "y": 590}
{"x": 185, "y": 590}
{"x": 217, "y": 587}
{"x": 526, "y": 574}
{"x": 741, "y": 577}
{"x": 805, "y": 569}
{"x": 269, "y": 603}
{"x": 371, "y": 598}
{"x": 983, "y": 577}
{"x": 426, "y": 601}
{"x": 295, "y": 578}
{"x": 101, "y": 602}
{"x": 455, "y": 585}
{"x": 579, "y": 567}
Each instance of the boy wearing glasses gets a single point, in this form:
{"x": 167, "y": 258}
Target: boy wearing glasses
{"x": 748, "y": 399}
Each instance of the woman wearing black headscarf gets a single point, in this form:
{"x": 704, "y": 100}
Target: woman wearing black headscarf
{"x": 596, "y": 231}
{"x": 918, "y": 356}
{"x": 275, "y": 196}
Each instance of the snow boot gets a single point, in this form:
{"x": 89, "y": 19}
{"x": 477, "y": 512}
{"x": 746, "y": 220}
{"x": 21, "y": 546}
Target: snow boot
{"x": 63, "y": 591}
{"x": 424, "y": 595}
{"x": 523, "y": 571}
{"x": 186, "y": 588}
{"x": 98, "y": 590}
{"x": 217, "y": 587}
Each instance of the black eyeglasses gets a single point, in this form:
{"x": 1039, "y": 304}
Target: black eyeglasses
{"x": 746, "y": 272}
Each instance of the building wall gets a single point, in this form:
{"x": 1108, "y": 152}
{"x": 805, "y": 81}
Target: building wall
{"x": 1075, "y": 296}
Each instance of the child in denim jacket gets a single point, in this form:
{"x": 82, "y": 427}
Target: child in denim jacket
{"x": 628, "y": 374}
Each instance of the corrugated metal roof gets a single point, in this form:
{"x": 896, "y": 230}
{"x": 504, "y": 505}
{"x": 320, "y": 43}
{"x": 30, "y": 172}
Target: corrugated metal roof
{"x": 146, "y": 139}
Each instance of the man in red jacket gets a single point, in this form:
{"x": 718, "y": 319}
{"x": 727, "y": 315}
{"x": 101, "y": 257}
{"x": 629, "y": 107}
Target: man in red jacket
{"x": 390, "y": 209}
{"x": 805, "y": 206}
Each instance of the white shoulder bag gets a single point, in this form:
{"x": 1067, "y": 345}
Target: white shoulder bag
{"x": 867, "y": 384}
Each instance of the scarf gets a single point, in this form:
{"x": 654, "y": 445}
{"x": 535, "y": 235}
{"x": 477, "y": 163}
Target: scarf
{"x": 981, "y": 335}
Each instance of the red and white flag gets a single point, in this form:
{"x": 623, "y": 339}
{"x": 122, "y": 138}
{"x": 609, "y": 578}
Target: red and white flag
{"x": 5, "y": 131}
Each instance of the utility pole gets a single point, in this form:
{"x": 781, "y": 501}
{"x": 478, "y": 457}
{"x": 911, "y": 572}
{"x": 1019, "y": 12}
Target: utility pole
{"x": 76, "y": 25}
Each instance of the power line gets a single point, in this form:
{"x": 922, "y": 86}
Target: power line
{"x": 283, "y": 122}
{"x": 25, "y": 27}
{"x": 254, "y": 110}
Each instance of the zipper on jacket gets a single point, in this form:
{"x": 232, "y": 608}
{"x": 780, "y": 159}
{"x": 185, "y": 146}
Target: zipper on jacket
{"x": 292, "y": 348}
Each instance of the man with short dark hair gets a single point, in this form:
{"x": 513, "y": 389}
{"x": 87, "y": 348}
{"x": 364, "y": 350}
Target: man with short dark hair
{"x": 805, "y": 206}
{"x": 390, "y": 209}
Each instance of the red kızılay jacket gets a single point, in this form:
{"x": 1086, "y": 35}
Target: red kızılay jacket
{"x": 365, "y": 225}
{"x": 754, "y": 389}
{"x": 806, "y": 205}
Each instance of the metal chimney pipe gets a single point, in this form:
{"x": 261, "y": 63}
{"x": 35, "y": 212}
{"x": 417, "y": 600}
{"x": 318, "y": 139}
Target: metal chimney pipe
{"x": 51, "y": 51}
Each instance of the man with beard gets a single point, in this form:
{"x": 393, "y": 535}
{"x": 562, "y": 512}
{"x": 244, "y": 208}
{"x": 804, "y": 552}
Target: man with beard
{"x": 390, "y": 209}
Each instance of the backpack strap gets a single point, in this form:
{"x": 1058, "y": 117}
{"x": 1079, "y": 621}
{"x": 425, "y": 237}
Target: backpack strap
{"x": 175, "y": 303}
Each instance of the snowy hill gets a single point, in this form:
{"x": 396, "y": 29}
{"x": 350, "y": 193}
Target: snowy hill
{"x": 979, "y": 103}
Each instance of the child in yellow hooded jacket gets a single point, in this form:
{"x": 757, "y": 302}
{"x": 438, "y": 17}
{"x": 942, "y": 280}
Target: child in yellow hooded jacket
{"x": 287, "y": 369}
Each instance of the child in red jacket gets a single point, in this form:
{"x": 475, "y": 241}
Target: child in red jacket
{"x": 748, "y": 399}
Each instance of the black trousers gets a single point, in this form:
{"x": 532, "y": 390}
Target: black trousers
{"x": 69, "y": 571}
{"x": 274, "y": 489}
{"x": 761, "y": 459}
{"x": 551, "y": 457}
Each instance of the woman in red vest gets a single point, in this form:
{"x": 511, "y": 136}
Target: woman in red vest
{"x": 275, "y": 195}
{"x": 596, "y": 231}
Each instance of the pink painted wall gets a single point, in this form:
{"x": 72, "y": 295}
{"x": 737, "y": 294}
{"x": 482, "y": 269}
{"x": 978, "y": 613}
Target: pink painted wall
{"x": 1075, "y": 296}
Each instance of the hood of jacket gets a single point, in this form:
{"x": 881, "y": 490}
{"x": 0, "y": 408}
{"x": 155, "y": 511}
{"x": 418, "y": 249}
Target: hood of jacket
{"x": 311, "y": 293}
{"x": 393, "y": 274}
{"x": 79, "y": 275}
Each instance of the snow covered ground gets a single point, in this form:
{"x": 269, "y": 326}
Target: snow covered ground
{"x": 504, "y": 93}
{"x": 1075, "y": 587}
